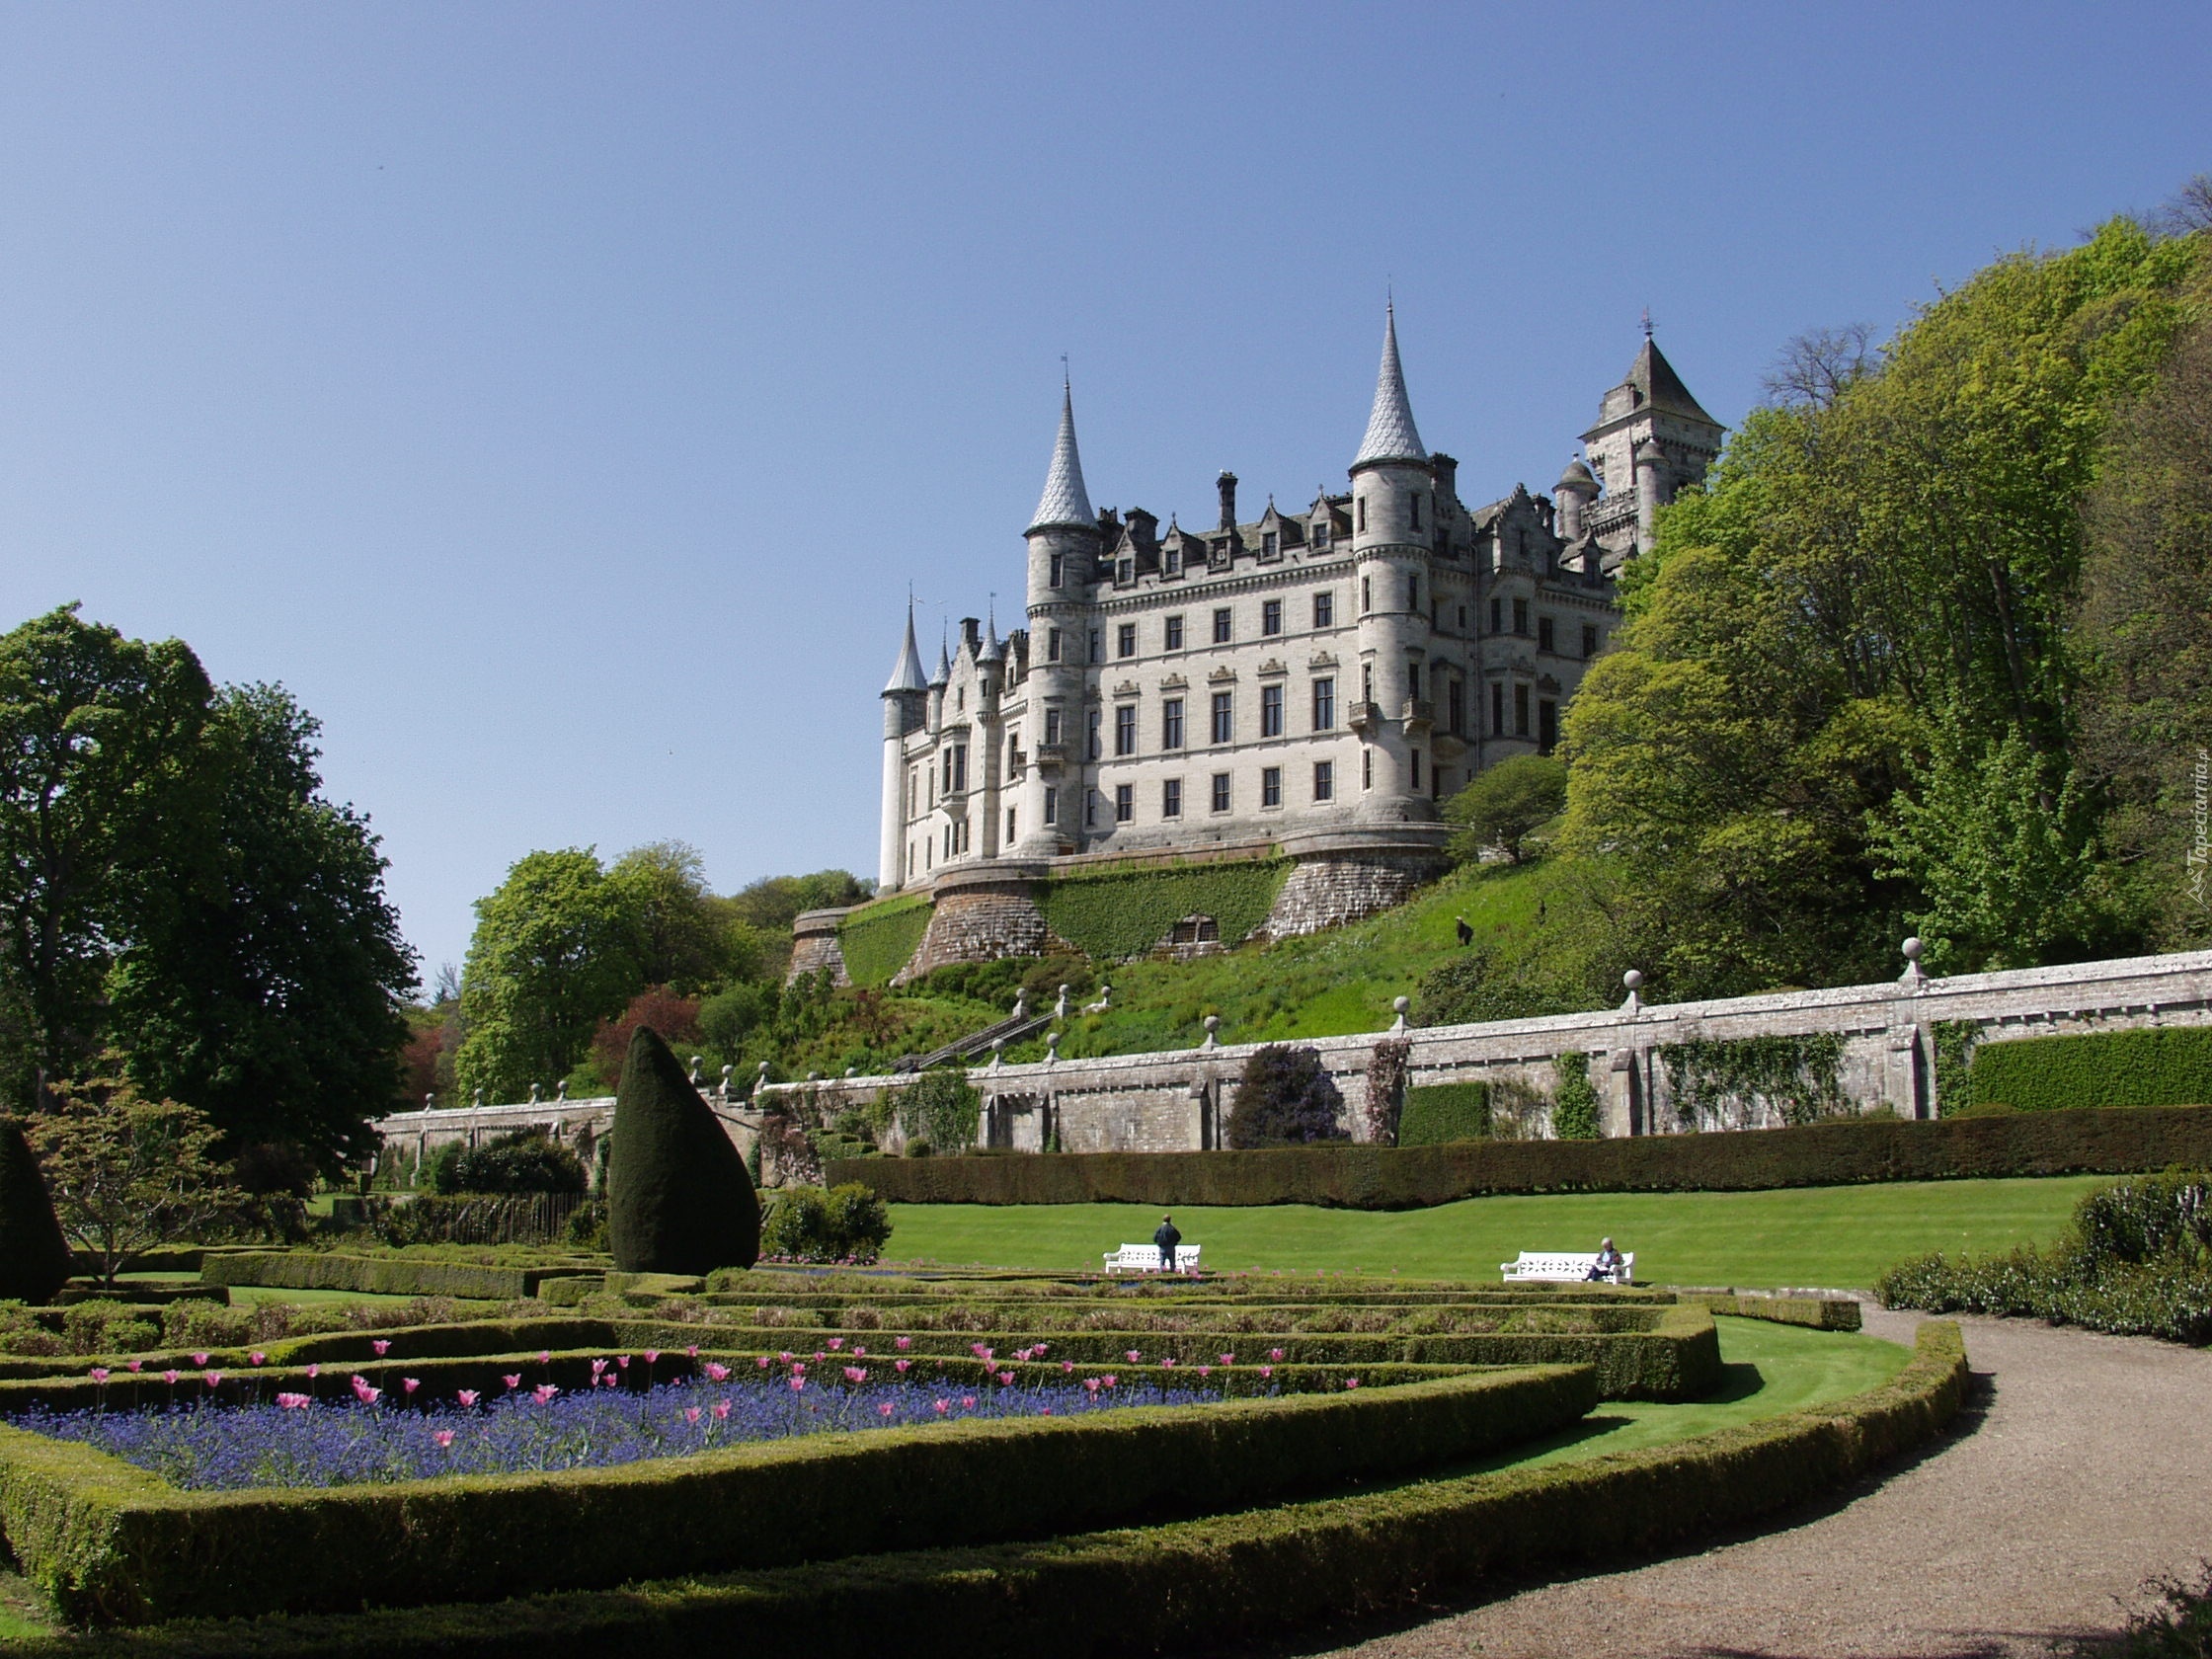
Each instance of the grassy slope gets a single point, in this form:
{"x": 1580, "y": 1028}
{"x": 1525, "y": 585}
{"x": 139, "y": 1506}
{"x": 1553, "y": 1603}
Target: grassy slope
{"x": 1810, "y": 1235}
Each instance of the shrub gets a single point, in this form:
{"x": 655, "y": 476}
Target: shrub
{"x": 1286, "y": 1098}
{"x": 35, "y": 1259}
{"x": 2166, "y": 1066}
{"x": 845, "y": 1223}
{"x": 1574, "y": 1107}
{"x": 1505, "y": 805}
{"x": 679, "y": 1199}
{"x": 940, "y": 1108}
{"x": 1437, "y": 1112}
{"x": 524, "y": 1161}
{"x": 1475, "y": 986}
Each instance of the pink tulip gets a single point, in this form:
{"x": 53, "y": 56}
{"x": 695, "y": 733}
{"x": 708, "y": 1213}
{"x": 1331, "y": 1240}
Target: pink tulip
{"x": 200, "y": 1359}
{"x": 364, "y": 1393}
{"x": 784, "y": 1357}
{"x": 1228, "y": 1359}
{"x": 762, "y": 1362}
{"x": 905, "y": 1342}
{"x": 719, "y": 1373}
{"x": 967, "y": 1402}
{"x": 858, "y": 1352}
{"x": 1267, "y": 1371}
{"x": 512, "y": 1380}
{"x": 383, "y": 1345}
{"x": 979, "y": 1350}
{"x": 100, "y": 1374}
{"x": 214, "y": 1379}
{"x": 1040, "y": 1348}
{"x": 943, "y": 1406}
{"x": 653, "y": 1355}
{"x": 443, "y": 1437}
{"x": 467, "y": 1397}
{"x": 258, "y": 1357}
{"x": 599, "y": 1368}
{"x": 721, "y": 1410}
{"x": 1006, "y": 1377}
{"x": 1350, "y": 1381}
{"x": 1275, "y": 1353}
{"x": 819, "y": 1355}
{"x": 170, "y": 1378}
{"x": 885, "y": 1408}
{"x": 1044, "y": 1411}
{"x": 853, "y": 1374}
{"x": 1110, "y": 1382}
{"x": 1067, "y": 1366}
{"x": 543, "y": 1393}
{"x": 622, "y": 1361}
{"x": 1168, "y": 1363}
{"x": 292, "y": 1402}
{"x": 1206, "y": 1371}
{"x": 797, "y": 1367}
{"x": 1091, "y": 1384}
{"x": 133, "y": 1365}
{"x": 796, "y": 1382}
{"x": 691, "y": 1414}
{"x": 545, "y": 1355}
{"x": 693, "y": 1352}
{"x": 902, "y": 1366}
{"x": 1132, "y": 1357}
{"x": 411, "y": 1383}
{"x": 834, "y": 1342}
{"x": 314, "y": 1370}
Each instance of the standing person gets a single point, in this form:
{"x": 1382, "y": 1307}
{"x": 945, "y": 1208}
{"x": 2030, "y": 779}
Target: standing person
{"x": 1167, "y": 1239}
{"x": 1466, "y": 933}
{"x": 1608, "y": 1265}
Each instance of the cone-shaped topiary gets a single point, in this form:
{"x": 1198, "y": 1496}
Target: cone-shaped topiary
{"x": 679, "y": 1199}
{"x": 35, "y": 1259}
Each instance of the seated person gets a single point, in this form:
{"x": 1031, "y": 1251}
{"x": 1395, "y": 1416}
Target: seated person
{"x": 1609, "y": 1262}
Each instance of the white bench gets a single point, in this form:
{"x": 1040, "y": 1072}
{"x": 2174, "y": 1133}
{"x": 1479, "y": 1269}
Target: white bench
{"x": 1562, "y": 1267}
{"x": 1144, "y": 1258}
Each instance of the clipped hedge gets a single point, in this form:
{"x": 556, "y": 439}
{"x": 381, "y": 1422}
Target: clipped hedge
{"x": 878, "y": 941}
{"x": 110, "y": 1543}
{"x": 1367, "y": 1177}
{"x": 1184, "y": 1586}
{"x": 1113, "y": 914}
{"x": 2166, "y": 1066}
{"x": 1832, "y": 1313}
{"x": 295, "y": 1270}
{"x": 1437, "y": 1114}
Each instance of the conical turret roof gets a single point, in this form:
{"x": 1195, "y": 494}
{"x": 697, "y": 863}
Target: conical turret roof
{"x": 1391, "y": 434}
{"x": 943, "y": 675}
{"x": 992, "y": 651}
{"x": 1064, "y": 503}
{"x": 906, "y": 675}
{"x": 1659, "y": 386}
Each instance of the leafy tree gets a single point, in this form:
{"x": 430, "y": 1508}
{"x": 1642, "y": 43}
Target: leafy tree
{"x": 1286, "y": 1098}
{"x": 100, "y": 802}
{"x": 675, "y": 1018}
{"x": 674, "y": 938}
{"x": 548, "y": 960}
{"x": 775, "y": 902}
{"x": 268, "y": 992}
{"x": 1503, "y": 805}
{"x": 128, "y": 1173}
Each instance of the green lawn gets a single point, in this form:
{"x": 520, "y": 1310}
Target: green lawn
{"x": 1835, "y": 1236}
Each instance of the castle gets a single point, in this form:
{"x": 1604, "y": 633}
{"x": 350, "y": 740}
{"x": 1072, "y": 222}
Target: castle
{"x": 1309, "y": 685}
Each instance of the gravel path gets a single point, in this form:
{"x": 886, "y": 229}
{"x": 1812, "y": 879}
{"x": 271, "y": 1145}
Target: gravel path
{"x": 2084, "y": 1466}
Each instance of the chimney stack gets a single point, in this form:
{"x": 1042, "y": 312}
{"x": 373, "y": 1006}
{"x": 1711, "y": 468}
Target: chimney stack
{"x": 1227, "y": 484}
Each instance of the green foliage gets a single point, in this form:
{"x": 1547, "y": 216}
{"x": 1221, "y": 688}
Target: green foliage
{"x": 1481, "y": 984}
{"x": 671, "y": 934}
{"x": 1747, "y": 1083}
{"x": 1574, "y": 1102}
{"x": 773, "y": 903}
{"x": 1437, "y": 1114}
{"x": 383, "y": 1274}
{"x": 679, "y": 1198}
{"x": 941, "y": 1108}
{"x": 2170, "y": 1065}
{"x": 1504, "y": 805}
{"x": 1113, "y": 914}
{"x": 1361, "y": 1177}
{"x": 1835, "y": 1313}
{"x": 2137, "y": 1262}
{"x": 35, "y": 1259}
{"x": 524, "y": 1161}
{"x": 847, "y": 1223}
{"x": 548, "y": 960}
{"x": 1285, "y": 1098}
{"x": 881, "y": 939}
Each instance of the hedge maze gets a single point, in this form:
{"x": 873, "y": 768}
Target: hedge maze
{"x": 1321, "y": 1451}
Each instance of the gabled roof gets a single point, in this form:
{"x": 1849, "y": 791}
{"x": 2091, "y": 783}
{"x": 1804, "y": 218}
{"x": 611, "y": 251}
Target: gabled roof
{"x": 906, "y": 674}
{"x": 1391, "y": 434}
{"x": 1065, "y": 504}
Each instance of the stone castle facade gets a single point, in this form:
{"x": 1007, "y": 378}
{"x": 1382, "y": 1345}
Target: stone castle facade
{"x": 1313, "y": 683}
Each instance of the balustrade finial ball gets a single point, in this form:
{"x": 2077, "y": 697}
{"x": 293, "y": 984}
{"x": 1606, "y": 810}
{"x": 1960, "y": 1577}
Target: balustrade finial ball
{"x": 1912, "y": 948}
{"x": 764, "y": 1068}
{"x": 1212, "y": 1022}
{"x": 1633, "y": 978}
{"x": 1400, "y": 1004}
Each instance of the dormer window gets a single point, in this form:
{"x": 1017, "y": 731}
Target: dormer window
{"x": 1173, "y": 564}
{"x": 1320, "y": 537}
{"x": 1268, "y": 544}
{"x": 1126, "y": 572}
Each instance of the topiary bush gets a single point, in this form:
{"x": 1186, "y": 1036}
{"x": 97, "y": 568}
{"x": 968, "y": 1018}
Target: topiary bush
{"x": 34, "y": 1259}
{"x": 1438, "y": 1114}
{"x": 2170, "y": 1065}
{"x": 679, "y": 1199}
{"x": 524, "y": 1161}
{"x": 847, "y": 1223}
{"x": 1286, "y": 1098}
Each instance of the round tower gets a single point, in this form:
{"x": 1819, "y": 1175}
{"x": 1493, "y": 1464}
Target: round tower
{"x": 1064, "y": 552}
{"x": 1650, "y": 481}
{"x": 905, "y": 705}
{"x": 1393, "y": 526}
{"x": 1577, "y": 489}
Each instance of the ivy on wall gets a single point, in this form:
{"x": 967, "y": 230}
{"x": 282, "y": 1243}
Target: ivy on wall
{"x": 1386, "y": 1069}
{"x": 1731, "y": 1084}
{"x": 1437, "y": 1114}
{"x": 1574, "y": 1104}
{"x": 1954, "y": 1066}
{"x": 1118, "y": 915}
{"x": 881, "y": 939}
{"x": 2168, "y": 1066}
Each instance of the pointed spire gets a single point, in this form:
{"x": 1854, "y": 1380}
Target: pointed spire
{"x": 908, "y": 675}
{"x": 1391, "y": 434}
{"x": 992, "y": 651}
{"x": 943, "y": 675}
{"x": 1066, "y": 503}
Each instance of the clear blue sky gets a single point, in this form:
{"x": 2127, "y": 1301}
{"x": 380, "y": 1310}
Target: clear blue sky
{"x": 560, "y": 398}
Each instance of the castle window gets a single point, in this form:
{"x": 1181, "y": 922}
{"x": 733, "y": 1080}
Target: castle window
{"x": 1463, "y": 619}
{"x": 1589, "y": 639}
{"x": 1058, "y": 570}
{"x": 1268, "y": 544}
{"x": 1171, "y": 723}
{"x": 1174, "y": 633}
{"x": 1090, "y": 807}
{"x": 1096, "y": 653}
{"x": 1521, "y": 617}
{"x": 1414, "y": 681}
{"x": 1547, "y": 637}
{"x": 909, "y": 858}
{"x": 1271, "y": 711}
{"x": 1497, "y": 710}
{"x": 1224, "y": 723}
{"x": 1366, "y": 682}
{"x": 1171, "y": 562}
{"x": 1366, "y": 768}
{"x": 1125, "y": 640}
{"x": 959, "y": 698}
{"x": 1171, "y": 798}
{"x": 1416, "y": 759}
{"x": 1126, "y": 572}
{"x": 1271, "y": 616}
{"x": 1124, "y": 803}
{"x": 1009, "y": 824}
{"x": 1271, "y": 786}
{"x": 1547, "y": 726}
{"x": 1324, "y": 705}
{"x": 1224, "y": 628}
{"x": 1325, "y": 780}
{"x": 1051, "y": 726}
{"x": 1052, "y": 644}
{"x": 1455, "y": 708}
{"x": 1414, "y": 503}
{"x": 1520, "y": 711}
{"x": 1091, "y": 748}
{"x": 1497, "y": 625}
{"x": 1125, "y": 729}
{"x": 960, "y": 768}
{"x": 1052, "y": 804}
{"x": 1367, "y": 595}
{"x": 1321, "y": 536}
{"x": 1013, "y": 750}
{"x": 1220, "y": 792}
{"x": 1412, "y": 592}
{"x": 1361, "y": 510}
{"x": 1324, "y": 610}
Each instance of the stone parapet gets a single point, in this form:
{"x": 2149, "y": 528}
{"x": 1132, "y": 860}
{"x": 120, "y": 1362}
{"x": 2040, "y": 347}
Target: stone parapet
{"x": 982, "y": 913}
{"x": 1344, "y": 876}
{"x": 815, "y": 946}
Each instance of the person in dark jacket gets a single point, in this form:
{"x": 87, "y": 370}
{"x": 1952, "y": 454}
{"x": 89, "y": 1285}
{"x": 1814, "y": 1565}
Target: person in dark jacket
{"x": 1167, "y": 1239}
